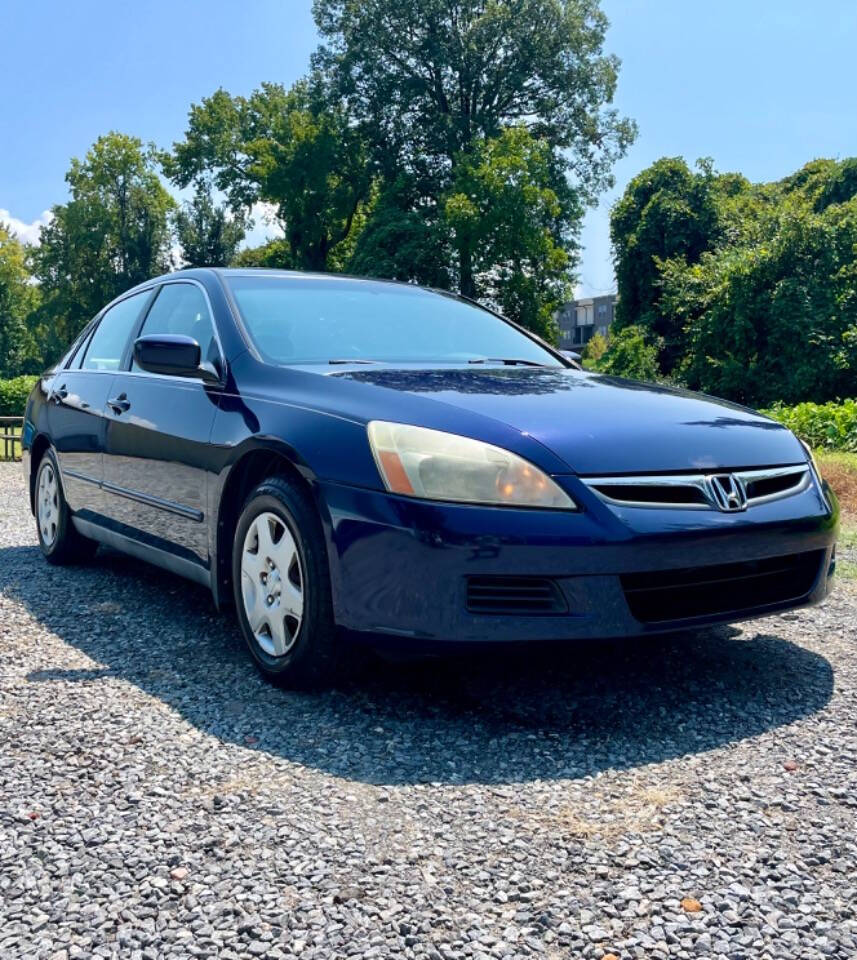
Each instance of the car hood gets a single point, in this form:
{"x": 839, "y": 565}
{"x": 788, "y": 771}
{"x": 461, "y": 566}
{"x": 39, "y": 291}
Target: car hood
{"x": 602, "y": 425}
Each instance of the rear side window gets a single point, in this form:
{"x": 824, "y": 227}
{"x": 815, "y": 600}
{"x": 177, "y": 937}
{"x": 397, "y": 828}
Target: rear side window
{"x": 74, "y": 355}
{"x": 181, "y": 308}
{"x": 107, "y": 345}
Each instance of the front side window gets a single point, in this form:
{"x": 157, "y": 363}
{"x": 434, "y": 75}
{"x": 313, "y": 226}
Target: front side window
{"x": 181, "y": 308}
{"x": 107, "y": 345}
{"x": 317, "y": 319}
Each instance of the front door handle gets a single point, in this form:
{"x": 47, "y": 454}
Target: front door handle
{"x": 119, "y": 404}
{"x": 60, "y": 394}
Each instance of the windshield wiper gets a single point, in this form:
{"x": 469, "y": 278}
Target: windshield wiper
{"x": 509, "y": 361}
{"x": 351, "y": 360}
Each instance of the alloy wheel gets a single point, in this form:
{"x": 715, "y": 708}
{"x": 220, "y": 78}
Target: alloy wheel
{"x": 272, "y": 584}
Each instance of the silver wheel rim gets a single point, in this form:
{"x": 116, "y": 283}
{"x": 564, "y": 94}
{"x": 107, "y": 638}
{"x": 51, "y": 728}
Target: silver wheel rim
{"x": 48, "y": 510}
{"x": 272, "y": 584}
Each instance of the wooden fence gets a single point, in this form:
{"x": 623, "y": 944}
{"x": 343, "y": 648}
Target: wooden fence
{"x": 10, "y": 437}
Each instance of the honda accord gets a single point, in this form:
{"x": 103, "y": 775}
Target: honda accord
{"x": 334, "y": 455}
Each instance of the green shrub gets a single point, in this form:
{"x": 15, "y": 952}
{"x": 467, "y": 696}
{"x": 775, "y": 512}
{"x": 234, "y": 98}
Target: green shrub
{"x": 630, "y": 354}
{"x": 13, "y": 395}
{"x": 594, "y": 350}
{"x": 830, "y": 425}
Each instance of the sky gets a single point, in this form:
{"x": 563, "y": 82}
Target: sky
{"x": 761, "y": 86}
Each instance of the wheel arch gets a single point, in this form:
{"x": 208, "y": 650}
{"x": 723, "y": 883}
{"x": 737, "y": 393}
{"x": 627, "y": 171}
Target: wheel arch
{"x": 249, "y": 469}
{"x": 40, "y": 445}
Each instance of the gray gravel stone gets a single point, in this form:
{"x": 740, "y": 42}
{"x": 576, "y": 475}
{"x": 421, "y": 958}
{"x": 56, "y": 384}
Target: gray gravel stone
{"x": 157, "y": 799}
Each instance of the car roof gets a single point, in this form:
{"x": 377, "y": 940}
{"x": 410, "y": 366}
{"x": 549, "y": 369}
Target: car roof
{"x": 225, "y": 272}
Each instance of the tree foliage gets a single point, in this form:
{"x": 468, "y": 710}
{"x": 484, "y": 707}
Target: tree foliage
{"x": 631, "y": 354}
{"x": 405, "y": 237}
{"x": 18, "y": 300}
{"x": 752, "y": 286}
{"x": 207, "y": 235}
{"x": 431, "y": 82}
{"x": 594, "y": 350}
{"x": 294, "y": 150}
{"x": 666, "y": 212}
{"x": 111, "y": 235}
{"x": 773, "y": 321}
{"x": 510, "y": 212}
{"x": 429, "y": 78}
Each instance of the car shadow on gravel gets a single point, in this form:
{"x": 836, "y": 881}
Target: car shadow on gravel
{"x": 491, "y": 716}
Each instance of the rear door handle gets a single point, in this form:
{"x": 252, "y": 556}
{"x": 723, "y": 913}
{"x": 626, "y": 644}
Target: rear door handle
{"x": 119, "y": 404}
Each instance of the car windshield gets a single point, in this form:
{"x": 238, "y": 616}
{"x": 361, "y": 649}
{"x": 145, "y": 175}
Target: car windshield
{"x": 293, "y": 319}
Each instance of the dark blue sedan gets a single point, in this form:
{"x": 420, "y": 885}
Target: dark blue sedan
{"x": 341, "y": 455}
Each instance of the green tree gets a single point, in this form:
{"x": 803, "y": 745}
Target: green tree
{"x": 667, "y": 212}
{"x": 512, "y": 216}
{"x": 405, "y": 237}
{"x": 294, "y": 149}
{"x": 430, "y": 80}
{"x": 207, "y": 235}
{"x": 111, "y": 235}
{"x": 753, "y": 287}
{"x": 773, "y": 320}
{"x": 273, "y": 254}
{"x": 19, "y": 298}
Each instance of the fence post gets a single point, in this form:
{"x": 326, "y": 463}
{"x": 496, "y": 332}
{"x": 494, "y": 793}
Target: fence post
{"x": 8, "y": 425}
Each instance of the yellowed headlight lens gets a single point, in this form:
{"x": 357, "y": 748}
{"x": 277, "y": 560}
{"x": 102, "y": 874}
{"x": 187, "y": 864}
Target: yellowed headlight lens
{"x": 419, "y": 462}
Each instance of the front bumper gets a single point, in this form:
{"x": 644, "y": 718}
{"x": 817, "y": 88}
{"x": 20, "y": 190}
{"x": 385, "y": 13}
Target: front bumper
{"x": 399, "y": 566}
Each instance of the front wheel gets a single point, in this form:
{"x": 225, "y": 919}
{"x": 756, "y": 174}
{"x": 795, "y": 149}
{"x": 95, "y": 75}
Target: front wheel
{"x": 282, "y": 585}
{"x": 58, "y": 539}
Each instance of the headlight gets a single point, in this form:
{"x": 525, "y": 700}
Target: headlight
{"x": 813, "y": 466}
{"x": 810, "y": 456}
{"x": 418, "y": 462}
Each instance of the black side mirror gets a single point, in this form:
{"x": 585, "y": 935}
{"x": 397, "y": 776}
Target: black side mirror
{"x": 172, "y": 354}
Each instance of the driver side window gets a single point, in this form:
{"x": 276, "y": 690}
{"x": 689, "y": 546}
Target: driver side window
{"x": 181, "y": 308}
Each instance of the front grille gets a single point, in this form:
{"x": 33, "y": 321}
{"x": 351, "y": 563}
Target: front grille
{"x": 654, "y": 494}
{"x": 763, "y": 488}
{"x": 697, "y": 491}
{"x": 514, "y": 596}
{"x": 666, "y": 595}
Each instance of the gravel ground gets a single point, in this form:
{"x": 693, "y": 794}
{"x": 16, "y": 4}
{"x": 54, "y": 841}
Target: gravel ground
{"x": 690, "y": 797}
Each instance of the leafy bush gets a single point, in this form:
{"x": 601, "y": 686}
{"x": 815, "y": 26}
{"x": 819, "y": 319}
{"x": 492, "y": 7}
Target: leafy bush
{"x": 13, "y": 395}
{"x": 752, "y": 288}
{"x": 830, "y": 425}
{"x": 594, "y": 351}
{"x": 631, "y": 355}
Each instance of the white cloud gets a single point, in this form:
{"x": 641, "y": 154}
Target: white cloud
{"x": 26, "y": 232}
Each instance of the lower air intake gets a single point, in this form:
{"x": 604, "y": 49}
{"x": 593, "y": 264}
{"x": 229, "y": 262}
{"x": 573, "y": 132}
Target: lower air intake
{"x": 514, "y": 596}
{"x": 668, "y": 595}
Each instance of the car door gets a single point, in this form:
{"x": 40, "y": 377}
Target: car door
{"x": 78, "y": 397}
{"x": 158, "y": 427}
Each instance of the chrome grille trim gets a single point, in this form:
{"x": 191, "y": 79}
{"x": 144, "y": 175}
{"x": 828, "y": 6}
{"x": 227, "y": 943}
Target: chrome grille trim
{"x": 700, "y": 483}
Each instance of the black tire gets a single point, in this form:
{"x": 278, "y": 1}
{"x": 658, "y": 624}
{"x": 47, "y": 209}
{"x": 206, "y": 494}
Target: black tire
{"x": 310, "y": 661}
{"x": 62, "y": 544}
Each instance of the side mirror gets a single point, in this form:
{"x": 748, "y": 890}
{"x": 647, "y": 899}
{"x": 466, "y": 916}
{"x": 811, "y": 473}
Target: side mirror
{"x": 174, "y": 355}
{"x": 571, "y": 355}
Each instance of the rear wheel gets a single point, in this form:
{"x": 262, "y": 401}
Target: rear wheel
{"x": 60, "y": 542}
{"x": 282, "y": 585}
